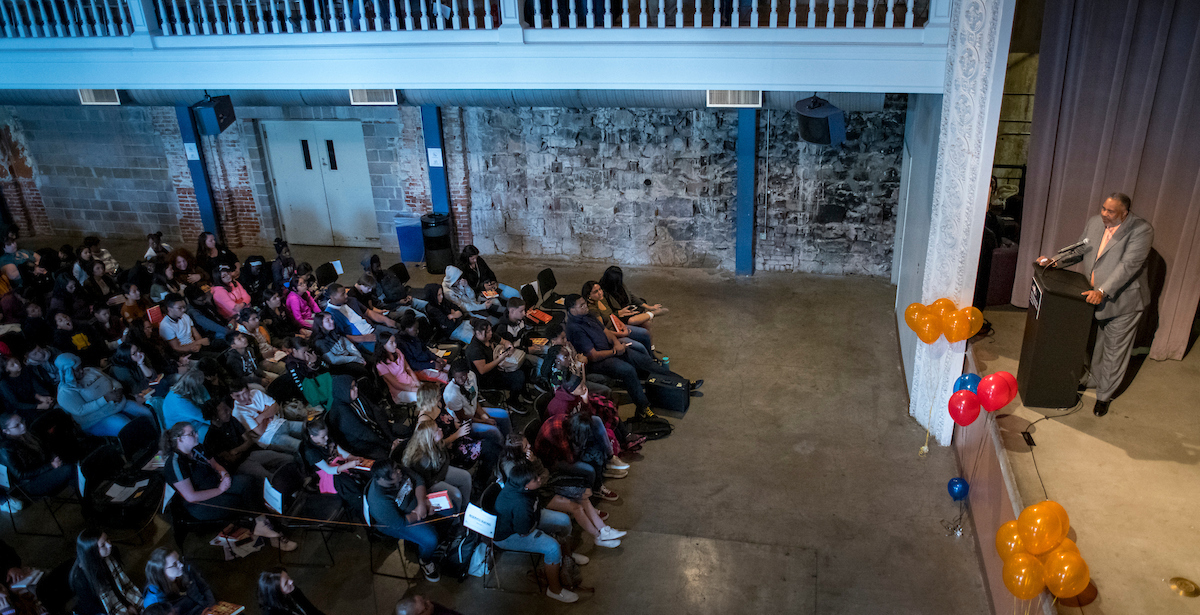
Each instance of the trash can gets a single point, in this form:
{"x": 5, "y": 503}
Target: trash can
{"x": 408, "y": 233}
{"x": 435, "y": 230}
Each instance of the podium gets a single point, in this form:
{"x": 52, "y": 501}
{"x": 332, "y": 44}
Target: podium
{"x": 1054, "y": 349}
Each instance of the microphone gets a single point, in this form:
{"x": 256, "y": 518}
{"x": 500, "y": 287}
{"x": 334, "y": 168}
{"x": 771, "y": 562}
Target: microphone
{"x": 1077, "y": 244}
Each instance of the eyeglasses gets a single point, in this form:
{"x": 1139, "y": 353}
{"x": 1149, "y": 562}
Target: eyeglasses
{"x": 177, "y": 564}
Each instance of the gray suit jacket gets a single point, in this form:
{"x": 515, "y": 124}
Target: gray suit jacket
{"x": 1121, "y": 271}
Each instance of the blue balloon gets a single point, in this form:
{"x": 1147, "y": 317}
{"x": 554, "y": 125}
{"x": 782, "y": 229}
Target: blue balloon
{"x": 969, "y": 382}
{"x": 958, "y": 489}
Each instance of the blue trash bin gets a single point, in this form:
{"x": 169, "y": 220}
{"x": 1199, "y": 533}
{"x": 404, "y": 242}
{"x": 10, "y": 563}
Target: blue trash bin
{"x": 408, "y": 233}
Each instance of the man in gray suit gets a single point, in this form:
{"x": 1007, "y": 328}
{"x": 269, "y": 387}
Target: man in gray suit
{"x": 1114, "y": 259}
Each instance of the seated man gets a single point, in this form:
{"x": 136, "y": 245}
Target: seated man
{"x": 350, "y": 322}
{"x": 359, "y": 426}
{"x": 177, "y": 328}
{"x": 261, "y": 417}
{"x": 609, "y": 356}
{"x": 513, "y": 328}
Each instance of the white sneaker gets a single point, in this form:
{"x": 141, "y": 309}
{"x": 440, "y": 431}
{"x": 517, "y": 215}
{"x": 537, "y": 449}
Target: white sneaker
{"x": 11, "y": 505}
{"x": 565, "y": 595}
{"x": 611, "y": 473}
{"x": 611, "y": 543}
{"x": 616, "y": 464}
{"x": 580, "y": 559}
{"x": 610, "y": 533}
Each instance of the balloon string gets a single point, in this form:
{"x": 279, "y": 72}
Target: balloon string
{"x": 924, "y": 450}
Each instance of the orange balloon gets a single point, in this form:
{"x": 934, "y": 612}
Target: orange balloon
{"x": 1053, "y": 506}
{"x": 1066, "y": 574}
{"x": 1008, "y": 541}
{"x": 1024, "y": 576}
{"x": 911, "y": 312}
{"x": 929, "y": 327}
{"x": 942, "y": 306}
{"x": 956, "y": 326}
{"x": 1066, "y": 545}
{"x": 976, "y": 318}
{"x": 1041, "y": 527}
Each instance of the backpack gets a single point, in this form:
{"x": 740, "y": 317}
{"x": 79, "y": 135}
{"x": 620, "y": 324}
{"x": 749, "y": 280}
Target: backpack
{"x": 457, "y": 562}
{"x": 481, "y": 560}
{"x": 655, "y": 428}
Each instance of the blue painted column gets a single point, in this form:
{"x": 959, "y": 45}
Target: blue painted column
{"x": 197, "y": 168}
{"x": 747, "y": 128}
{"x": 439, "y": 186}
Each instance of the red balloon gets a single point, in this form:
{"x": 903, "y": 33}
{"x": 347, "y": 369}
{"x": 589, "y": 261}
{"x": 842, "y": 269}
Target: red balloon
{"x": 1012, "y": 384}
{"x": 964, "y": 407}
{"x": 993, "y": 392}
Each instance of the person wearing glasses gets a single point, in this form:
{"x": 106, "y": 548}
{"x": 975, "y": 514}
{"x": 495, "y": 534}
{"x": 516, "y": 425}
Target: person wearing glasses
{"x": 175, "y": 583}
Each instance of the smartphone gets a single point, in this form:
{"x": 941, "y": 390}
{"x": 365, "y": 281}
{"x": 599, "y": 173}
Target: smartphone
{"x": 157, "y": 379}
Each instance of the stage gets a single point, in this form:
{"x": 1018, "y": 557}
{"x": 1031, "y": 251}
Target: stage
{"x": 1128, "y": 480}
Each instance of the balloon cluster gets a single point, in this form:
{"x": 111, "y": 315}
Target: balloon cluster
{"x": 971, "y": 392}
{"x": 942, "y": 318}
{"x": 1038, "y": 555}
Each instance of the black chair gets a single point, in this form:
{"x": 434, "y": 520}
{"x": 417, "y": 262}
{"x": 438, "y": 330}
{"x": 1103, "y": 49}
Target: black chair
{"x": 375, "y": 536}
{"x": 487, "y": 502}
{"x": 54, "y": 590}
{"x": 303, "y": 511}
{"x": 102, "y": 464}
{"x": 400, "y": 270}
{"x": 139, "y": 441}
{"x": 183, "y": 523}
{"x": 542, "y": 405}
{"x": 326, "y": 275}
{"x": 532, "y": 428}
{"x": 546, "y": 285}
{"x": 529, "y": 295}
{"x": 283, "y": 389}
{"x": 52, "y": 501}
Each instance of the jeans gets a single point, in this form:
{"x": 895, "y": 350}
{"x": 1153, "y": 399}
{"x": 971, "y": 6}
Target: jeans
{"x": 540, "y": 539}
{"x": 457, "y": 485}
{"x": 497, "y": 432}
{"x": 640, "y": 335}
{"x": 50, "y": 483}
{"x": 601, "y": 434}
{"x": 581, "y": 469}
{"x": 286, "y": 438}
{"x": 112, "y": 425}
{"x": 464, "y": 333}
{"x": 625, "y": 368}
{"x": 263, "y": 463}
{"x": 424, "y": 535}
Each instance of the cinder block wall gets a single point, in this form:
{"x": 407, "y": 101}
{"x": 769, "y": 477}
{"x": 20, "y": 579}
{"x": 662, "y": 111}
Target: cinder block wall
{"x": 632, "y": 186}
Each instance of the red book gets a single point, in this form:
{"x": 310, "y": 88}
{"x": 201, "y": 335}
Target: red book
{"x": 538, "y": 315}
{"x": 154, "y": 314}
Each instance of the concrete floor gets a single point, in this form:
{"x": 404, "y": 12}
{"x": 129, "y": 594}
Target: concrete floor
{"x": 794, "y": 486}
{"x": 1128, "y": 480}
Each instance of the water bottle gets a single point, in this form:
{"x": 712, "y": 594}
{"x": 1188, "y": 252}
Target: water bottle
{"x": 666, "y": 362}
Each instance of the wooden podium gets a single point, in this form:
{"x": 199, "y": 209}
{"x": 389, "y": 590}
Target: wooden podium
{"x": 1057, "y": 328}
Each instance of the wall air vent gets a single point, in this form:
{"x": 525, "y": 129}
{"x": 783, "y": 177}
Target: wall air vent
{"x": 373, "y": 97}
{"x": 738, "y": 99}
{"x": 99, "y": 97}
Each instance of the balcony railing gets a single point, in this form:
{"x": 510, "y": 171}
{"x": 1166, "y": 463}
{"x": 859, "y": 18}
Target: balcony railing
{"x": 113, "y": 18}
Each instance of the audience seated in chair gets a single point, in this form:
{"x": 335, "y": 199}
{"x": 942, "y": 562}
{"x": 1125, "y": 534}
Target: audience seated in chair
{"x": 94, "y": 399}
{"x": 172, "y": 581}
{"x": 337, "y": 470}
{"x": 360, "y": 426}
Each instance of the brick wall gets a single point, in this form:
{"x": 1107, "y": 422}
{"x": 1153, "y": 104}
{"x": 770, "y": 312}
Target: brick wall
{"x": 18, "y": 179}
{"x": 166, "y": 126}
{"x": 232, "y": 189}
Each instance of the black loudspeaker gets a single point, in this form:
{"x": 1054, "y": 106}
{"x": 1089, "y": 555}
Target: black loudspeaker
{"x": 821, "y": 122}
{"x": 213, "y": 115}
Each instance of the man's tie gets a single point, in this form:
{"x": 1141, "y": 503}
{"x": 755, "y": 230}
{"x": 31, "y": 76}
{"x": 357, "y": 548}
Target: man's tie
{"x": 1108, "y": 233}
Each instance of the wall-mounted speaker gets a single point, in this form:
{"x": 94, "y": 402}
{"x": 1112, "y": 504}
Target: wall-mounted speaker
{"x": 213, "y": 114}
{"x": 821, "y": 122}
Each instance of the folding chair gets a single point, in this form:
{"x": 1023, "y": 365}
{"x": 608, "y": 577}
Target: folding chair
{"x": 401, "y": 272}
{"x": 305, "y": 512}
{"x": 546, "y": 283}
{"x": 374, "y": 536}
{"x": 49, "y": 500}
{"x": 139, "y": 441}
{"x": 487, "y": 502}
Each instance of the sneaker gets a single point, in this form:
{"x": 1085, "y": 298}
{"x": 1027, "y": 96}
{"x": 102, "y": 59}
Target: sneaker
{"x": 285, "y": 545}
{"x": 611, "y": 543}
{"x": 517, "y": 409}
{"x": 430, "y": 570}
{"x": 608, "y": 495}
{"x": 603, "y": 514}
{"x": 580, "y": 559}
{"x": 610, "y": 473}
{"x": 11, "y": 505}
{"x": 565, "y": 595}
{"x": 644, "y": 413}
{"x": 616, "y": 464}
{"x": 611, "y": 533}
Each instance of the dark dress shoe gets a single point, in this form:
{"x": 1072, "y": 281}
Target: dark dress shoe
{"x": 695, "y": 393}
{"x": 1101, "y": 408}
{"x": 696, "y": 384}
{"x": 1081, "y": 388}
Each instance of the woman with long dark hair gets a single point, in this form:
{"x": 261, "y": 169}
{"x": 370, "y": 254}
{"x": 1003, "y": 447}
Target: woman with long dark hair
{"x": 135, "y": 372}
{"x": 337, "y": 470}
{"x": 338, "y": 351}
{"x": 211, "y": 253}
{"x": 228, "y": 294}
{"x": 172, "y": 581}
{"x": 638, "y": 338}
{"x": 278, "y": 595}
{"x": 277, "y": 318}
{"x": 186, "y": 270}
{"x": 36, "y": 470}
{"x": 630, "y": 308}
{"x": 99, "y": 581}
{"x": 99, "y": 286}
{"x": 284, "y": 266}
{"x": 476, "y": 271}
{"x": 300, "y": 301}
{"x": 402, "y": 382}
{"x": 450, "y": 321}
{"x": 167, "y": 281}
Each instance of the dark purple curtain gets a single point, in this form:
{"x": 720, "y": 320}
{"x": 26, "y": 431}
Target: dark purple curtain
{"x": 1117, "y": 109}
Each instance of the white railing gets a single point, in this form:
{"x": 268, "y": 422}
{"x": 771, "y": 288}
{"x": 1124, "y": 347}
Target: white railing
{"x": 195, "y": 17}
{"x": 64, "y": 19}
{"x": 726, "y": 13}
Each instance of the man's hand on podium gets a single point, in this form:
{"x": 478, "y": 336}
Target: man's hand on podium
{"x": 1094, "y": 297}
{"x": 1043, "y": 260}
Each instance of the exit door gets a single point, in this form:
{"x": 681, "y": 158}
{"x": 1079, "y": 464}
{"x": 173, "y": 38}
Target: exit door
{"x": 322, "y": 188}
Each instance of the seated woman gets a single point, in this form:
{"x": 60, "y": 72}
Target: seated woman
{"x": 284, "y": 266}
{"x": 466, "y": 448}
{"x": 460, "y": 293}
{"x": 342, "y": 356}
{"x": 608, "y": 430}
{"x": 66, "y": 298}
{"x": 207, "y": 489}
{"x": 428, "y": 366}
{"x": 31, "y": 465}
{"x": 228, "y": 294}
{"x": 630, "y": 308}
{"x": 599, "y": 307}
{"x": 243, "y": 361}
{"x": 250, "y": 323}
{"x": 261, "y": 417}
{"x": 100, "y": 287}
{"x": 560, "y": 360}
{"x": 173, "y": 582}
{"x": 278, "y": 595}
{"x": 186, "y": 271}
{"x": 204, "y": 314}
{"x": 22, "y": 392}
{"x": 228, "y": 443}
{"x": 98, "y": 580}
{"x": 360, "y": 426}
{"x": 211, "y": 254}
{"x": 338, "y": 472}
{"x": 487, "y": 362}
{"x": 94, "y": 399}
{"x": 476, "y": 272}
{"x": 427, "y": 456}
{"x": 277, "y": 318}
{"x": 300, "y": 302}
{"x": 167, "y": 281}
{"x": 133, "y": 370}
{"x": 566, "y": 444}
{"x": 186, "y": 399}
{"x": 401, "y": 380}
{"x": 306, "y": 371}
{"x": 463, "y": 399}
{"x": 78, "y": 338}
{"x": 447, "y": 318}
{"x": 134, "y": 307}
{"x": 397, "y": 500}
{"x": 518, "y": 519}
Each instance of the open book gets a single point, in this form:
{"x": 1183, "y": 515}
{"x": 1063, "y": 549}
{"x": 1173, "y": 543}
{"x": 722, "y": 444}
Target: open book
{"x": 224, "y": 608}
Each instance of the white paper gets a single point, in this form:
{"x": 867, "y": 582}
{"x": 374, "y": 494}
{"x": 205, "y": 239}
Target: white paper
{"x": 279, "y": 355}
{"x": 477, "y": 520}
{"x": 337, "y": 266}
{"x": 120, "y": 493}
{"x": 440, "y": 501}
{"x": 272, "y": 497}
{"x": 141, "y": 483}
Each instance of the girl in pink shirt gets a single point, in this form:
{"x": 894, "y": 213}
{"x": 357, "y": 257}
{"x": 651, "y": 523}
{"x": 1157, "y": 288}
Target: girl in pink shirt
{"x": 389, "y": 361}
{"x": 300, "y": 303}
{"x": 229, "y": 295}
